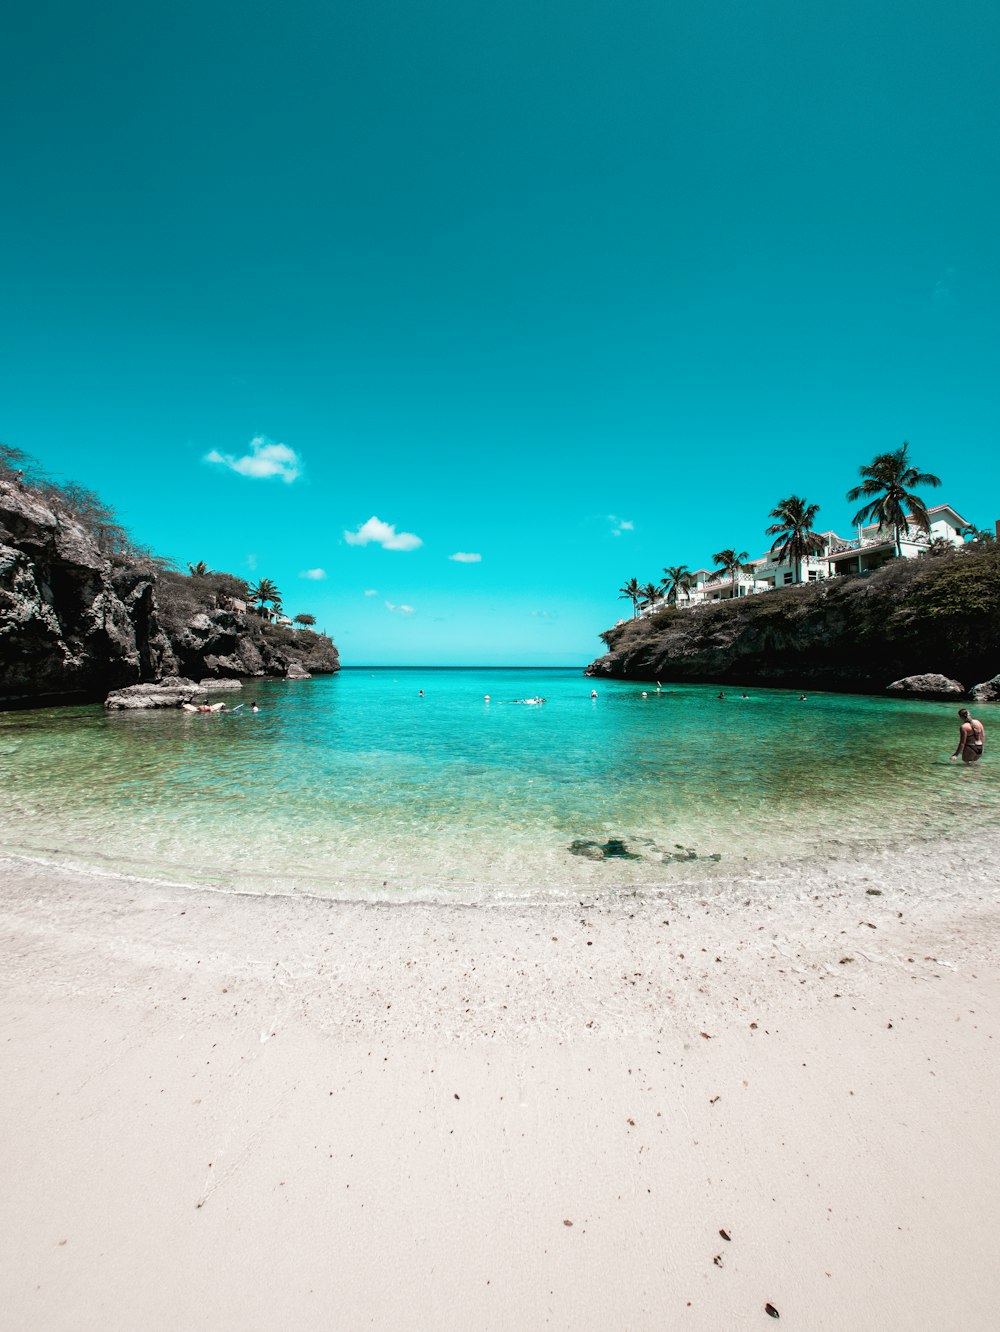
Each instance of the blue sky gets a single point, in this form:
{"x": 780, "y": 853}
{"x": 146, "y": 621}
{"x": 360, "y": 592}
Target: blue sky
{"x": 581, "y": 288}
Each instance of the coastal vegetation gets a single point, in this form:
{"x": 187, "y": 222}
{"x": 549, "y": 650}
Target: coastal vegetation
{"x": 794, "y": 538}
{"x": 888, "y": 485}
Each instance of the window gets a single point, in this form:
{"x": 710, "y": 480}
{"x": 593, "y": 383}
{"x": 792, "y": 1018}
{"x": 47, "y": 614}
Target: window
{"x": 788, "y": 578}
{"x": 813, "y": 575}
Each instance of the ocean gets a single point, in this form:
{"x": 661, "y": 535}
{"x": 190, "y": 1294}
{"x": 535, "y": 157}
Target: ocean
{"x": 356, "y": 786}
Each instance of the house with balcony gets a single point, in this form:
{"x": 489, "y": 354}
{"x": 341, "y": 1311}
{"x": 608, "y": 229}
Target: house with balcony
{"x": 875, "y": 546}
{"x": 857, "y": 555}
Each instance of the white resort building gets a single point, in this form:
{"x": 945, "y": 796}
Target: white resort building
{"x": 872, "y": 547}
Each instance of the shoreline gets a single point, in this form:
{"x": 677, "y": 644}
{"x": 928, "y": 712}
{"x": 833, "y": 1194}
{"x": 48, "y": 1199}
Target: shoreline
{"x": 229, "y": 1112}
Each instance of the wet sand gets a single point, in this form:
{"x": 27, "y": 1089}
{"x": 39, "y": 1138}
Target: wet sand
{"x": 234, "y": 1112}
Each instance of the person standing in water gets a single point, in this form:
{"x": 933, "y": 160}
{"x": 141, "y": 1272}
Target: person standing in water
{"x": 971, "y": 738}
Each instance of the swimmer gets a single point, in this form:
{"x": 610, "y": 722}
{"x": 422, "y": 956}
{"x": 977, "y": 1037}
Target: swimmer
{"x": 803, "y": 698}
{"x": 744, "y": 695}
{"x": 421, "y": 693}
{"x": 644, "y": 694}
{"x": 486, "y": 698}
{"x": 971, "y": 738}
{"x": 254, "y": 707}
{"x": 720, "y": 694}
{"x": 593, "y": 693}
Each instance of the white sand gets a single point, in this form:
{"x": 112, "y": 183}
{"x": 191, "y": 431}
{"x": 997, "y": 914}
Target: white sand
{"x": 245, "y": 1113}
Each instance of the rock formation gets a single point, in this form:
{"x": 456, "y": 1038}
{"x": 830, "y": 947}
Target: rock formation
{"x": 168, "y": 693}
{"x": 926, "y": 686}
{"x": 987, "y": 692}
{"x": 850, "y": 634}
{"x": 77, "y": 622}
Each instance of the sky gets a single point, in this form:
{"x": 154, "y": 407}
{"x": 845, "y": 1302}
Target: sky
{"x": 348, "y": 294}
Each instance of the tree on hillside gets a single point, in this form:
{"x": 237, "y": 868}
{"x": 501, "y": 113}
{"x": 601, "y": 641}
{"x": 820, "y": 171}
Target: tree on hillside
{"x": 978, "y": 536}
{"x": 650, "y": 594}
{"x": 676, "y": 580}
{"x": 887, "y": 484}
{"x": 794, "y": 538}
{"x": 731, "y": 563}
{"x": 199, "y": 570}
{"x": 265, "y": 592}
{"x": 630, "y": 592}
{"x": 306, "y": 621}
{"x": 940, "y": 546}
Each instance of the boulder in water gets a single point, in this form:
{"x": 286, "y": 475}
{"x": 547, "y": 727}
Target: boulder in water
{"x": 926, "y": 686}
{"x": 168, "y": 693}
{"x": 987, "y": 692}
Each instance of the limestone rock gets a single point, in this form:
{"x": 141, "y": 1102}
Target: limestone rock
{"x": 927, "y": 686}
{"x": 218, "y": 686}
{"x": 170, "y": 693}
{"x": 987, "y": 692}
{"x": 296, "y": 671}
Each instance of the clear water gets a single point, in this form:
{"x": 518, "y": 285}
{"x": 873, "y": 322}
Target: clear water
{"x": 355, "y": 786}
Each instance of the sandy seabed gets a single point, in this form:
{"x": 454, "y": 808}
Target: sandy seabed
{"x": 636, "y": 1112}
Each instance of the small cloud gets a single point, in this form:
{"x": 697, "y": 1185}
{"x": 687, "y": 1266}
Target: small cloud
{"x": 384, "y": 535}
{"x": 317, "y": 575}
{"x": 620, "y": 525}
{"x": 398, "y": 610}
{"x": 544, "y": 615}
{"x": 265, "y": 459}
{"x": 251, "y": 562}
{"x": 465, "y": 557}
{"x": 371, "y": 591}
{"x": 943, "y": 293}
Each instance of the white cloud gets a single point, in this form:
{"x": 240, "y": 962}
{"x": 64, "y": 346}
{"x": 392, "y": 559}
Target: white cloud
{"x": 620, "y": 525}
{"x": 465, "y": 557}
{"x": 384, "y": 535}
{"x": 265, "y": 459}
{"x": 251, "y": 562}
{"x": 944, "y": 288}
{"x": 371, "y": 591}
{"x": 547, "y": 616}
{"x": 317, "y": 575}
{"x": 399, "y": 610}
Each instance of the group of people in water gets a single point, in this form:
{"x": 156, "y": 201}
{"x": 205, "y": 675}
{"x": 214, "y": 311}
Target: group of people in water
{"x": 218, "y": 707}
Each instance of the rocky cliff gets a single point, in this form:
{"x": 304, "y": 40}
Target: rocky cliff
{"x": 852, "y": 634}
{"x": 76, "y": 622}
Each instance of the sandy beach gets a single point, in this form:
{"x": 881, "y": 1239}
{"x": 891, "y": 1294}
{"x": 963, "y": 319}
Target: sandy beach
{"x": 236, "y": 1112}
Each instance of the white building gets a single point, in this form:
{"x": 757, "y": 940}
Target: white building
{"x": 871, "y": 548}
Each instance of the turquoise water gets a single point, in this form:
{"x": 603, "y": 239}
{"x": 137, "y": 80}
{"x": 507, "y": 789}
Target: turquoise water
{"x": 354, "y": 785}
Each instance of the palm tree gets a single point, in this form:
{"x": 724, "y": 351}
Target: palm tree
{"x": 677, "y": 579}
{"x": 199, "y": 570}
{"x": 794, "y": 538}
{"x": 731, "y": 563}
{"x": 306, "y": 621}
{"x": 630, "y": 592}
{"x": 263, "y": 592}
{"x": 650, "y": 593}
{"x": 977, "y": 536}
{"x": 941, "y": 546}
{"x": 887, "y": 484}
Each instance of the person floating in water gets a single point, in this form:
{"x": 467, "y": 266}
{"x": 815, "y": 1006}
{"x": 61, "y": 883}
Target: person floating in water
{"x": 971, "y": 738}
{"x": 593, "y": 693}
{"x": 254, "y": 707}
{"x": 720, "y": 694}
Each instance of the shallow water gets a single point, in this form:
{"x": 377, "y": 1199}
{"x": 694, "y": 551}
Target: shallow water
{"x": 355, "y": 786}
